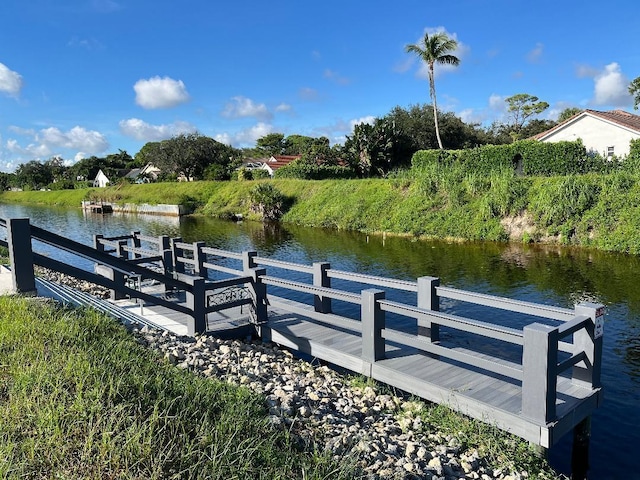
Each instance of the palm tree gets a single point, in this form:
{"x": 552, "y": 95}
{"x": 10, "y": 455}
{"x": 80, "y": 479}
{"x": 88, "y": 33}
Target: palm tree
{"x": 435, "y": 49}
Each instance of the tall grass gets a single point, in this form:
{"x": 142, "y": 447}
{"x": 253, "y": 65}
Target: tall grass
{"x": 79, "y": 398}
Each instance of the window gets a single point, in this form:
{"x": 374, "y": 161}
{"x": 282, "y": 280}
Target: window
{"x": 609, "y": 151}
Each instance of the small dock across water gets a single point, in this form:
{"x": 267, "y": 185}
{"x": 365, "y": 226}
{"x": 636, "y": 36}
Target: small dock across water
{"x": 538, "y": 378}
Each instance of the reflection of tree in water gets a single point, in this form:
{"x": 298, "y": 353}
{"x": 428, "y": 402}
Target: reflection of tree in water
{"x": 629, "y": 351}
{"x": 270, "y": 238}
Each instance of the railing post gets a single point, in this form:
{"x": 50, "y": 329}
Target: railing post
{"x": 196, "y": 302}
{"x": 539, "y": 382}
{"x": 589, "y": 341}
{"x": 258, "y": 292}
{"x": 121, "y": 251}
{"x": 97, "y": 244}
{"x": 107, "y": 271}
{"x": 248, "y": 260}
{"x": 135, "y": 242}
{"x": 199, "y": 258}
{"x": 373, "y": 322}
{"x": 178, "y": 266}
{"x": 21, "y": 255}
{"x": 321, "y": 279}
{"x": 428, "y": 299}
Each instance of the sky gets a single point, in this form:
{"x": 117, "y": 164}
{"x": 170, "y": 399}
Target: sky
{"x": 92, "y": 77}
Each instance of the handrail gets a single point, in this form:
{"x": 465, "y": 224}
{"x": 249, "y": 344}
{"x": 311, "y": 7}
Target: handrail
{"x": 373, "y": 280}
{"x": 283, "y": 264}
{"x": 490, "y": 330}
{"x": 503, "y": 303}
{"x": 304, "y": 287}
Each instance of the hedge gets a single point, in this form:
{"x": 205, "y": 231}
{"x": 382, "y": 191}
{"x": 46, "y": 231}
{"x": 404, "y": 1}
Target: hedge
{"x": 529, "y": 157}
{"x": 307, "y": 171}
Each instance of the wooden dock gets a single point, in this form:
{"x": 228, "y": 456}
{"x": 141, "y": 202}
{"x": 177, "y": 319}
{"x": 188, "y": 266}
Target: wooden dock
{"x": 544, "y": 382}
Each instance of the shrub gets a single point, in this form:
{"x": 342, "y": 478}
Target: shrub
{"x": 267, "y": 201}
{"x": 309, "y": 171}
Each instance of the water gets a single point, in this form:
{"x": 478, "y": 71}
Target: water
{"x": 553, "y": 275}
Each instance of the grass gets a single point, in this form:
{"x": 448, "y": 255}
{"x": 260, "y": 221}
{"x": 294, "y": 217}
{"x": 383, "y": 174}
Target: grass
{"x": 80, "y": 398}
{"x": 595, "y": 210}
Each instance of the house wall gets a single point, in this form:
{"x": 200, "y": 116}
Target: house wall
{"x": 596, "y": 134}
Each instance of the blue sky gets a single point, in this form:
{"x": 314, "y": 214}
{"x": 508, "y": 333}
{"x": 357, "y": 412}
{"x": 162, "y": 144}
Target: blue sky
{"x": 89, "y": 77}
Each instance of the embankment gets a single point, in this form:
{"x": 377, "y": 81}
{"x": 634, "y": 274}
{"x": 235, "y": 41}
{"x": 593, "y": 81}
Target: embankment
{"x": 595, "y": 210}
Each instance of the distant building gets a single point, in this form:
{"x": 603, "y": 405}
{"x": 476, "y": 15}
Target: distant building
{"x": 101, "y": 180}
{"x": 148, "y": 173}
{"x": 606, "y": 133}
{"x": 278, "y": 161}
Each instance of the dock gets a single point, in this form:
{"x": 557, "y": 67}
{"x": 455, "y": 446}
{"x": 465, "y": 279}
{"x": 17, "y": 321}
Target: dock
{"x": 540, "y": 384}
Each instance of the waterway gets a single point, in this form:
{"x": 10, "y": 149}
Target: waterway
{"x": 552, "y": 275}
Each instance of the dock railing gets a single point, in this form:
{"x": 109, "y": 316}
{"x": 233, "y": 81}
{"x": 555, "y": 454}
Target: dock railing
{"x": 565, "y": 339}
{"x": 124, "y": 272}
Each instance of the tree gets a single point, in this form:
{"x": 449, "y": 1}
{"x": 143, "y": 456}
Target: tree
{"x": 522, "y": 106}
{"x": 634, "y": 89}
{"x": 567, "y": 113}
{"x": 190, "y": 155}
{"x": 435, "y": 49}
{"x": 371, "y": 148}
{"x": 271, "y": 144}
{"x": 34, "y": 175}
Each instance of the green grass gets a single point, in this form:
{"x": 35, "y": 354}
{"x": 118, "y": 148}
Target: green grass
{"x": 80, "y": 398}
{"x": 596, "y": 210}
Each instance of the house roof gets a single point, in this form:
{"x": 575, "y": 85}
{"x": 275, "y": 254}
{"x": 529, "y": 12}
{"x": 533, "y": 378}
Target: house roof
{"x": 619, "y": 117}
{"x": 279, "y": 161}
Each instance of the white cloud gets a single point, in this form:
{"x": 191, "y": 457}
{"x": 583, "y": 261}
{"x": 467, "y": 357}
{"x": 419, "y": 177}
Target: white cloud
{"x": 535, "y": 55}
{"x": 611, "y": 87}
{"x": 141, "y": 130}
{"x": 469, "y": 115}
{"x": 284, "y": 107}
{"x": 497, "y": 103}
{"x": 10, "y": 81}
{"x": 159, "y": 92}
{"x": 586, "y": 71}
{"x": 50, "y": 141}
{"x": 423, "y": 72}
{"x": 370, "y": 119}
{"x": 246, "y": 137}
{"x": 242, "y": 107}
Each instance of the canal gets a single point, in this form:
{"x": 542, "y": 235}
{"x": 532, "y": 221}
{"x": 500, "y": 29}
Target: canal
{"x": 553, "y": 275}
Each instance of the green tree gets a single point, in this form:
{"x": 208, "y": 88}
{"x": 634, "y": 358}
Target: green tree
{"x": 372, "y": 148}
{"x": 190, "y": 155}
{"x": 435, "y": 49}
{"x": 567, "y": 113}
{"x": 523, "y": 106}
{"x": 271, "y": 144}
{"x": 34, "y": 175}
{"x": 634, "y": 90}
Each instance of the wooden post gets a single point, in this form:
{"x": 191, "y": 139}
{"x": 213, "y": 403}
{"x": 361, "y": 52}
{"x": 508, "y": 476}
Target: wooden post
{"x": 580, "y": 450}
{"x": 321, "y": 279}
{"x": 258, "y": 292}
{"x": 178, "y": 266}
{"x": 589, "y": 341}
{"x": 196, "y": 302}
{"x": 539, "y": 382}
{"x": 248, "y": 260}
{"x": 21, "y": 256}
{"x": 373, "y": 322}
{"x": 199, "y": 258}
{"x": 135, "y": 242}
{"x": 428, "y": 299}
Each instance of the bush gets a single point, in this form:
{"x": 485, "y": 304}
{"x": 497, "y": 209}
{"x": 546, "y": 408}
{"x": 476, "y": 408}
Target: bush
{"x": 267, "y": 201}
{"x": 528, "y": 157}
{"x": 309, "y": 171}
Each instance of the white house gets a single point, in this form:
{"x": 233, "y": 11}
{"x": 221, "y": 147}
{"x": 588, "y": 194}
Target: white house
{"x": 606, "y": 133}
{"x": 278, "y": 161}
{"x": 101, "y": 179}
{"x": 146, "y": 174}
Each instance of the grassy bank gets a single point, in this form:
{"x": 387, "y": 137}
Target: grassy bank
{"x": 79, "y": 398}
{"x": 595, "y": 210}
